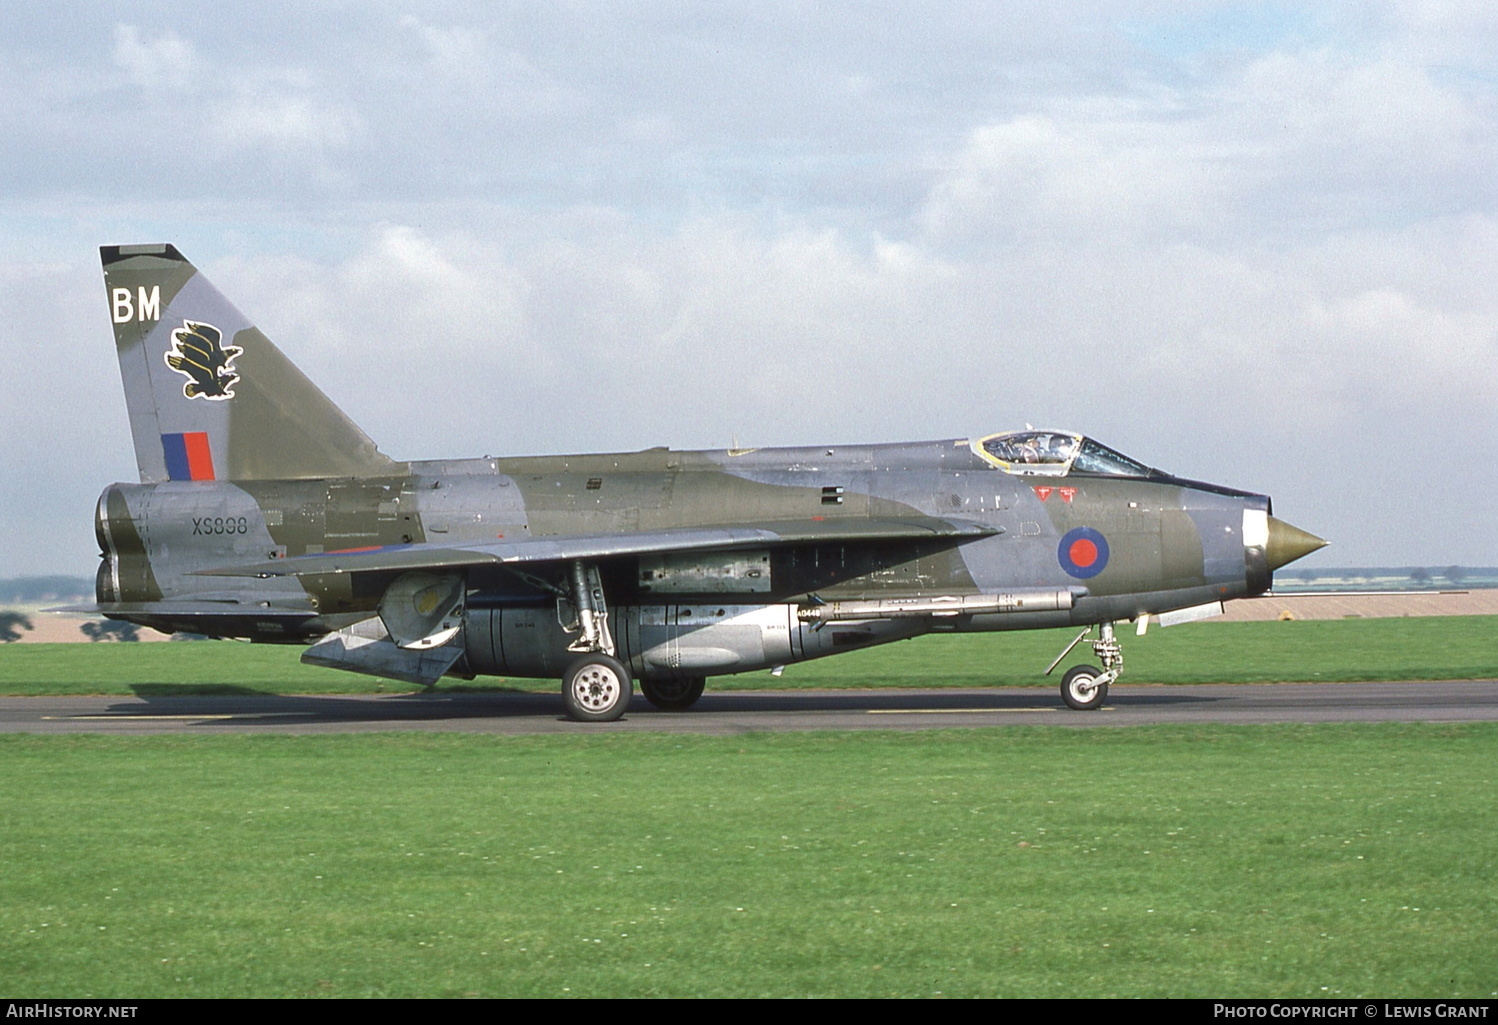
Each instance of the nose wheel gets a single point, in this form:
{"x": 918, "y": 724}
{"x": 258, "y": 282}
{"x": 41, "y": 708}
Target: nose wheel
{"x": 1085, "y": 688}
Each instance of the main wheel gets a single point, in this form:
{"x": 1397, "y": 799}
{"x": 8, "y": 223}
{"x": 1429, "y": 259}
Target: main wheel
{"x": 1081, "y": 690}
{"x": 596, "y": 688}
{"x": 673, "y": 695}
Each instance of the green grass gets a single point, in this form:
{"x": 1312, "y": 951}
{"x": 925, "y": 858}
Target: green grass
{"x": 1429, "y": 648}
{"x": 1287, "y": 861}
{"x": 207, "y": 667}
{"x": 1436, "y": 648}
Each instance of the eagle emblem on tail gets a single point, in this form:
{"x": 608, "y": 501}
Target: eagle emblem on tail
{"x": 198, "y": 353}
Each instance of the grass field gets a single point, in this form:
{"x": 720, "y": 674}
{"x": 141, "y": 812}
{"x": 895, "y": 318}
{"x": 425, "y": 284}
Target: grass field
{"x": 1016, "y": 861}
{"x": 1354, "y": 860}
{"x": 1436, "y": 648}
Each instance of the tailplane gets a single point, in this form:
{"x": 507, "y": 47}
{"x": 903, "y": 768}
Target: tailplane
{"x": 209, "y": 396}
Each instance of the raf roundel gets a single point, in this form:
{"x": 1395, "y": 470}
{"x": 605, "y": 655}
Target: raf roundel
{"x": 1083, "y": 552}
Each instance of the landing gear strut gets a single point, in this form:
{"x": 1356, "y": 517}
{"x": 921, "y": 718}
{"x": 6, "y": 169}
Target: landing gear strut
{"x": 596, "y": 687}
{"x": 592, "y": 613}
{"x": 1086, "y": 687}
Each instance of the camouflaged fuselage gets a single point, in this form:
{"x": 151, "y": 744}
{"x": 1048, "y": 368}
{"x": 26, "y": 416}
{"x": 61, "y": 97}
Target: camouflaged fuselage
{"x": 1165, "y": 543}
{"x": 265, "y": 512}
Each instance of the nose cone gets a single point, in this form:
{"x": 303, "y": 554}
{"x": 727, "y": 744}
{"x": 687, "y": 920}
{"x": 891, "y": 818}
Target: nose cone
{"x": 1287, "y": 543}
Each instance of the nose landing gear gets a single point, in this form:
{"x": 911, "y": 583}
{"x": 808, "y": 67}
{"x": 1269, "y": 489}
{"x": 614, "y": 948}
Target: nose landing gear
{"x": 1086, "y": 687}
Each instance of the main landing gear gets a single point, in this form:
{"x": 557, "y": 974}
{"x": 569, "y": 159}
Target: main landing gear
{"x": 596, "y": 687}
{"x": 1086, "y": 687}
{"x": 673, "y": 695}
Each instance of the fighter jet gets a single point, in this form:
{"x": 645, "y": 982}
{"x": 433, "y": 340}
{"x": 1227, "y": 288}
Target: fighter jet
{"x": 264, "y": 513}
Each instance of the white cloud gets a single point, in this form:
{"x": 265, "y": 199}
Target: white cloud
{"x": 282, "y": 115}
{"x": 1268, "y": 264}
{"x": 167, "y": 61}
{"x": 1389, "y": 344}
{"x": 1040, "y": 179}
{"x": 1289, "y": 144}
{"x": 452, "y": 52}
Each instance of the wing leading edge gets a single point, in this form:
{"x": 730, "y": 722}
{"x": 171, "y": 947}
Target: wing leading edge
{"x": 567, "y": 547}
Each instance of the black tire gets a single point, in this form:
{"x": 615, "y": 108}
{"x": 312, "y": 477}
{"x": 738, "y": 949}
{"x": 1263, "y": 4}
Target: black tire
{"x": 1078, "y": 689}
{"x": 596, "y": 688}
{"x": 673, "y": 695}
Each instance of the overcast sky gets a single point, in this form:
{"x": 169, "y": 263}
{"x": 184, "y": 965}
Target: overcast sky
{"x": 1250, "y": 244}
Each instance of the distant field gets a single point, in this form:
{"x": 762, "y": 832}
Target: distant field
{"x": 1288, "y": 861}
{"x": 1436, "y": 648}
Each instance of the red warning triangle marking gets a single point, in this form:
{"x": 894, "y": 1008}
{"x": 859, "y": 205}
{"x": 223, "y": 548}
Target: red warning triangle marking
{"x": 1043, "y": 493}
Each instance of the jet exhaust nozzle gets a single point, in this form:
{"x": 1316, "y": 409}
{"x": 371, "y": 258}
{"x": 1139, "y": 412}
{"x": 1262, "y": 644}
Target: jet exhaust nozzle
{"x": 1287, "y": 543}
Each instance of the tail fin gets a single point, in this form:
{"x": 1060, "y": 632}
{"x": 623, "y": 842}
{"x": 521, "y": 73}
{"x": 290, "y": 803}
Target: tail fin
{"x": 209, "y": 396}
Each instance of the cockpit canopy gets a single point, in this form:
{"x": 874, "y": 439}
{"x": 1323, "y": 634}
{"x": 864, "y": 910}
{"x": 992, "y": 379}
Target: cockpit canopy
{"x": 1054, "y": 454}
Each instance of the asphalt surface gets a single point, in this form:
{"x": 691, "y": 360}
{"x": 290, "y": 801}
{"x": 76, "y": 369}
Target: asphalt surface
{"x": 755, "y": 711}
